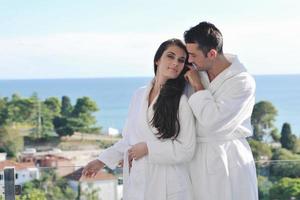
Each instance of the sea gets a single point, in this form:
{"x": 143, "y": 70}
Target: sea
{"x": 113, "y": 95}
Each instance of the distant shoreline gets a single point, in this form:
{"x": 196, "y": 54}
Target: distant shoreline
{"x": 282, "y": 91}
{"x": 114, "y": 77}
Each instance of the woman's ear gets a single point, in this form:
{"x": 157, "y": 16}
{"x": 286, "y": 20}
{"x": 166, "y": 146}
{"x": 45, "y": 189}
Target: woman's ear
{"x": 157, "y": 62}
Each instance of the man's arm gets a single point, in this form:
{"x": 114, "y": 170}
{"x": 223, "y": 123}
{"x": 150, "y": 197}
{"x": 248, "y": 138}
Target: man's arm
{"x": 224, "y": 113}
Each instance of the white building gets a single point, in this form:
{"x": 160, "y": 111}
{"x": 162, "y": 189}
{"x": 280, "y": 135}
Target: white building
{"x": 2, "y": 156}
{"x": 103, "y": 183}
{"x": 113, "y": 131}
{"x": 24, "y": 172}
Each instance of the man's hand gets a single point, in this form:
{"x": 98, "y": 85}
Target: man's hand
{"x": 92, "y": 168}
{"x": 138, "y": 151}
{"x": 193, "y": 78}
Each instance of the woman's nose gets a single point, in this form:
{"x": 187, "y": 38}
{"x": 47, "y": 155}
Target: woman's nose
{"x": 175, "y": 63}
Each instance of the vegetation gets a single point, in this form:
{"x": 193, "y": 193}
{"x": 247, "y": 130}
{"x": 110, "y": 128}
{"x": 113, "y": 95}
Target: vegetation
{"x": 41, "y": 119}
{"x": 286, "y": 188}
{"x": 287, "y": 140}
{"x": 260, "y": 150}
{"x": 262, "y": 119}
{"x": 49, "y": 186}
{"x": 76, "y": 119}
{"x": 278, "y": 163}
{"x": 277, "y": 155}
{"x": 10, "y": 141}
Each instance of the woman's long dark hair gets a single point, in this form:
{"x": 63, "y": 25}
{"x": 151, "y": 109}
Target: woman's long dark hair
{"x": 166, "y": 119}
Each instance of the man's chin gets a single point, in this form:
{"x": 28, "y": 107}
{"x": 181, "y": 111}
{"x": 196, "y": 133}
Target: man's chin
{"x": 200, "y": 69}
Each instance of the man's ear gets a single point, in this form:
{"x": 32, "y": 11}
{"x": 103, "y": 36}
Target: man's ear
{"x": 212, "y": 54}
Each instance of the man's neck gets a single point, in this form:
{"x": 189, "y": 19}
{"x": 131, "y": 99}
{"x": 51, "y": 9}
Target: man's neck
{"x": 220, "y": 64}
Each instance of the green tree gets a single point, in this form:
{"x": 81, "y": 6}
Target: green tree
{"x": 260, "y": 149}
{"x": 36, "y": 118}
{"x": 19, "y": 110}
{"x": 63, "y": 126}
{"x": 286, "y": 188}
{"x": 287, "y": 140}
{"x": 83, "y": 110}
{"x": 53, "y": 106}
{"x": 288, "y": 165}
{"x": 44, "y": 113}
{"x": 66, "y": 106}
{"x": 81, "y": 118}
{"x": 50, "y": 109}
{"x": 35, "y": 194}
{"x": 3, "y": 111}
{"x": 264, "y": 186}
{"x": 275, "y": 135}
{"x": 91, "y": 193}
{"x": 54, "y": 187}
{"x": 262, "y": 119}
{"x": 297, "y": 146}
{"x": 10, "y": 141}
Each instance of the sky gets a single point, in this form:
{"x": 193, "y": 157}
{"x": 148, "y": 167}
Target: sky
{"x": 118, "y": 38}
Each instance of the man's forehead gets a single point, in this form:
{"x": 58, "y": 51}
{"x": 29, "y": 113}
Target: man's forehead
{"x": 192, "y": 45}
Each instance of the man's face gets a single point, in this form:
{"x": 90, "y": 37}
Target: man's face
{"x": 197, "y": 57}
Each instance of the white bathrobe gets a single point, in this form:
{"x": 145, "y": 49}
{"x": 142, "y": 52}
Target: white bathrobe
{"x": 223, "y": 167}
{"x": 162, "y": 174}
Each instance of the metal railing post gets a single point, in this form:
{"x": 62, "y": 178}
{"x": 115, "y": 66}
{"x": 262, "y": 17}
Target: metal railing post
{"x": 9, "y": 183}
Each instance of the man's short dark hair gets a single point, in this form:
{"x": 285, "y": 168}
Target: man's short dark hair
{"x": 207, "y": 36}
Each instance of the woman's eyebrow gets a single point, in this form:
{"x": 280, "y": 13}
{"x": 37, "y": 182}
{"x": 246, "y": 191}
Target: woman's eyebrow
{"x": 171, "y": 52}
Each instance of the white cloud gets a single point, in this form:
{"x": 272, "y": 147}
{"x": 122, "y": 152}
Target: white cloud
{"x": 79, "y": 54}
{"x": 264, "y": 46}
{"x": 267, "y": 47}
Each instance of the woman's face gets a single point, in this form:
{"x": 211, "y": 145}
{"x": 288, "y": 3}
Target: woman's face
{"x": 171, "y": 63}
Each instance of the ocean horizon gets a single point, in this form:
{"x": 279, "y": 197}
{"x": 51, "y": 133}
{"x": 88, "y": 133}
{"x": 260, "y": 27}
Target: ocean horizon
{"x": 113, "y": 95}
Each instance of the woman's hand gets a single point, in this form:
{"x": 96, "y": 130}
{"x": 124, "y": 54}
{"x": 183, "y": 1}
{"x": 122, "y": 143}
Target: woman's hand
{"x": 92, "y": 168}
{"x": 138, "y": 151}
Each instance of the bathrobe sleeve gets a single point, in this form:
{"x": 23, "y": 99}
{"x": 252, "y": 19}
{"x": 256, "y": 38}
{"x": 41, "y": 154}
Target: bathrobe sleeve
{"x": 180, "y": 150}
{"x": 223, "y": 114}
{"x": 112, "y": 155}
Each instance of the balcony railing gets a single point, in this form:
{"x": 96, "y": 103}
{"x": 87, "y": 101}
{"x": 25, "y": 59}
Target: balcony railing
{"x": 66, "y": 182}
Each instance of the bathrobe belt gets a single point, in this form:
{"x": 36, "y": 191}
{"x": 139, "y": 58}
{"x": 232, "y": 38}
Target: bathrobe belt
{"x": 218, "y": 138}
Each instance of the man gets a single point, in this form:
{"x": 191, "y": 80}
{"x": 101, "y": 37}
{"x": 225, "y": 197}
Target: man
{"x": 222, "y": 101}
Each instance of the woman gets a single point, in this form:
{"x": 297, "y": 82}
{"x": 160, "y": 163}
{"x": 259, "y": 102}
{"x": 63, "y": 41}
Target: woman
{"x": 159, "y": 134}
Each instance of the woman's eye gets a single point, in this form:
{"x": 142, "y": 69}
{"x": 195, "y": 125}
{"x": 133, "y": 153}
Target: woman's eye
{"x": 170, "y": 56}
{"x": 181, "y": 60}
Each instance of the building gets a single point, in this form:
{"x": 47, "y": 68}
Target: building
{"x": 2, "y": 156}
{"x": 46, "y": 160}
{"x": 105, "y": 185}
{"x": 24, "y": 172}
{"x": 62, "y": 165}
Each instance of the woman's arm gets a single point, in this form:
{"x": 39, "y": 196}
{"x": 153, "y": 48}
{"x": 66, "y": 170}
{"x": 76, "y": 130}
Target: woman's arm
{"x": 171, "y": 152}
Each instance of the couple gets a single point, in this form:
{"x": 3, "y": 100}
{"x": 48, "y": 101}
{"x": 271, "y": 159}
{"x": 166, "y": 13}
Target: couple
{"x": 188, "y": 142}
